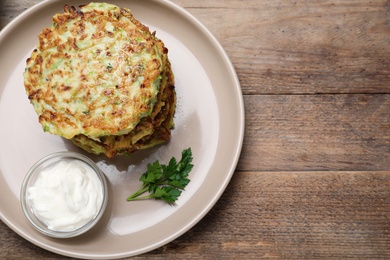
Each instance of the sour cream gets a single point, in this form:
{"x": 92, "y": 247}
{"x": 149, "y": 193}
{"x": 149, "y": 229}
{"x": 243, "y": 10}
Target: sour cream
{"x": 67, "y": 195}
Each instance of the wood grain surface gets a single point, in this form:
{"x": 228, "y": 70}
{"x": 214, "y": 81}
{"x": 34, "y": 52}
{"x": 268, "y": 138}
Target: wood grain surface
{"x": 313, "y": 179}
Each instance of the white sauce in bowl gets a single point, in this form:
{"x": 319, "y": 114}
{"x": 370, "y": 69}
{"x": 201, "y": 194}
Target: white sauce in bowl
{"x": 67, "y": 195}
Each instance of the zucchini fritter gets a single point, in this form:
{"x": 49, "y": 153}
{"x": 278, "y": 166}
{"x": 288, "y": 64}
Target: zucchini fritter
{"x": 101, "y": 78}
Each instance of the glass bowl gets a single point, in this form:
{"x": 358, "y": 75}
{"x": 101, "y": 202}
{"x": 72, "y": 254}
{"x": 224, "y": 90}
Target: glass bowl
{"x": 53, "y": 197}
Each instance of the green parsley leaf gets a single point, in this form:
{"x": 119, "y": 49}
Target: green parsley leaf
{"x": 165, "y": 182}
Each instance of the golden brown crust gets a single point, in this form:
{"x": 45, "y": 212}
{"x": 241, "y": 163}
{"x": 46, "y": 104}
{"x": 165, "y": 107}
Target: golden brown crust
{"x": 150, "y": 131}
{"x": 100, "y": 78}
{"x": 96, "y": 71}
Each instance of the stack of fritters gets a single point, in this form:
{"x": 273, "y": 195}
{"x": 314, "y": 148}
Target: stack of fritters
{"x": 100, "y": 78}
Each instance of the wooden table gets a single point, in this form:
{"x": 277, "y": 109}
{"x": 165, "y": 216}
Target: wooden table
{"x": 313, "y": 179}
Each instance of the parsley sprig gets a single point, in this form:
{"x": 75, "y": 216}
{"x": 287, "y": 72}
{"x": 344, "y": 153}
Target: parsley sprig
{"x": 165, "y": 182}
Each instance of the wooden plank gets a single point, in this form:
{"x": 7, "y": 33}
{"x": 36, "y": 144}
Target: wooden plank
{"x": 303, "y": 46}
{"x": 316, "y": 132}
{"x": 301, "y": 215}
{"x": 10, "y": 9}
{"x": 296, "y": 215}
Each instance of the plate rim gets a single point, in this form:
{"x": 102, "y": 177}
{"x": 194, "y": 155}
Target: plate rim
{"x": 167, "y": 4}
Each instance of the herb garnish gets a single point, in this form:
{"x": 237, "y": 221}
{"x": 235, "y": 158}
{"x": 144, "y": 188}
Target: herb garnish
{"x": 165, "y": 182}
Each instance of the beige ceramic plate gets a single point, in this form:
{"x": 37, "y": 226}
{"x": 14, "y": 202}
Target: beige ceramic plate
{"x": 209, "y": 119}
